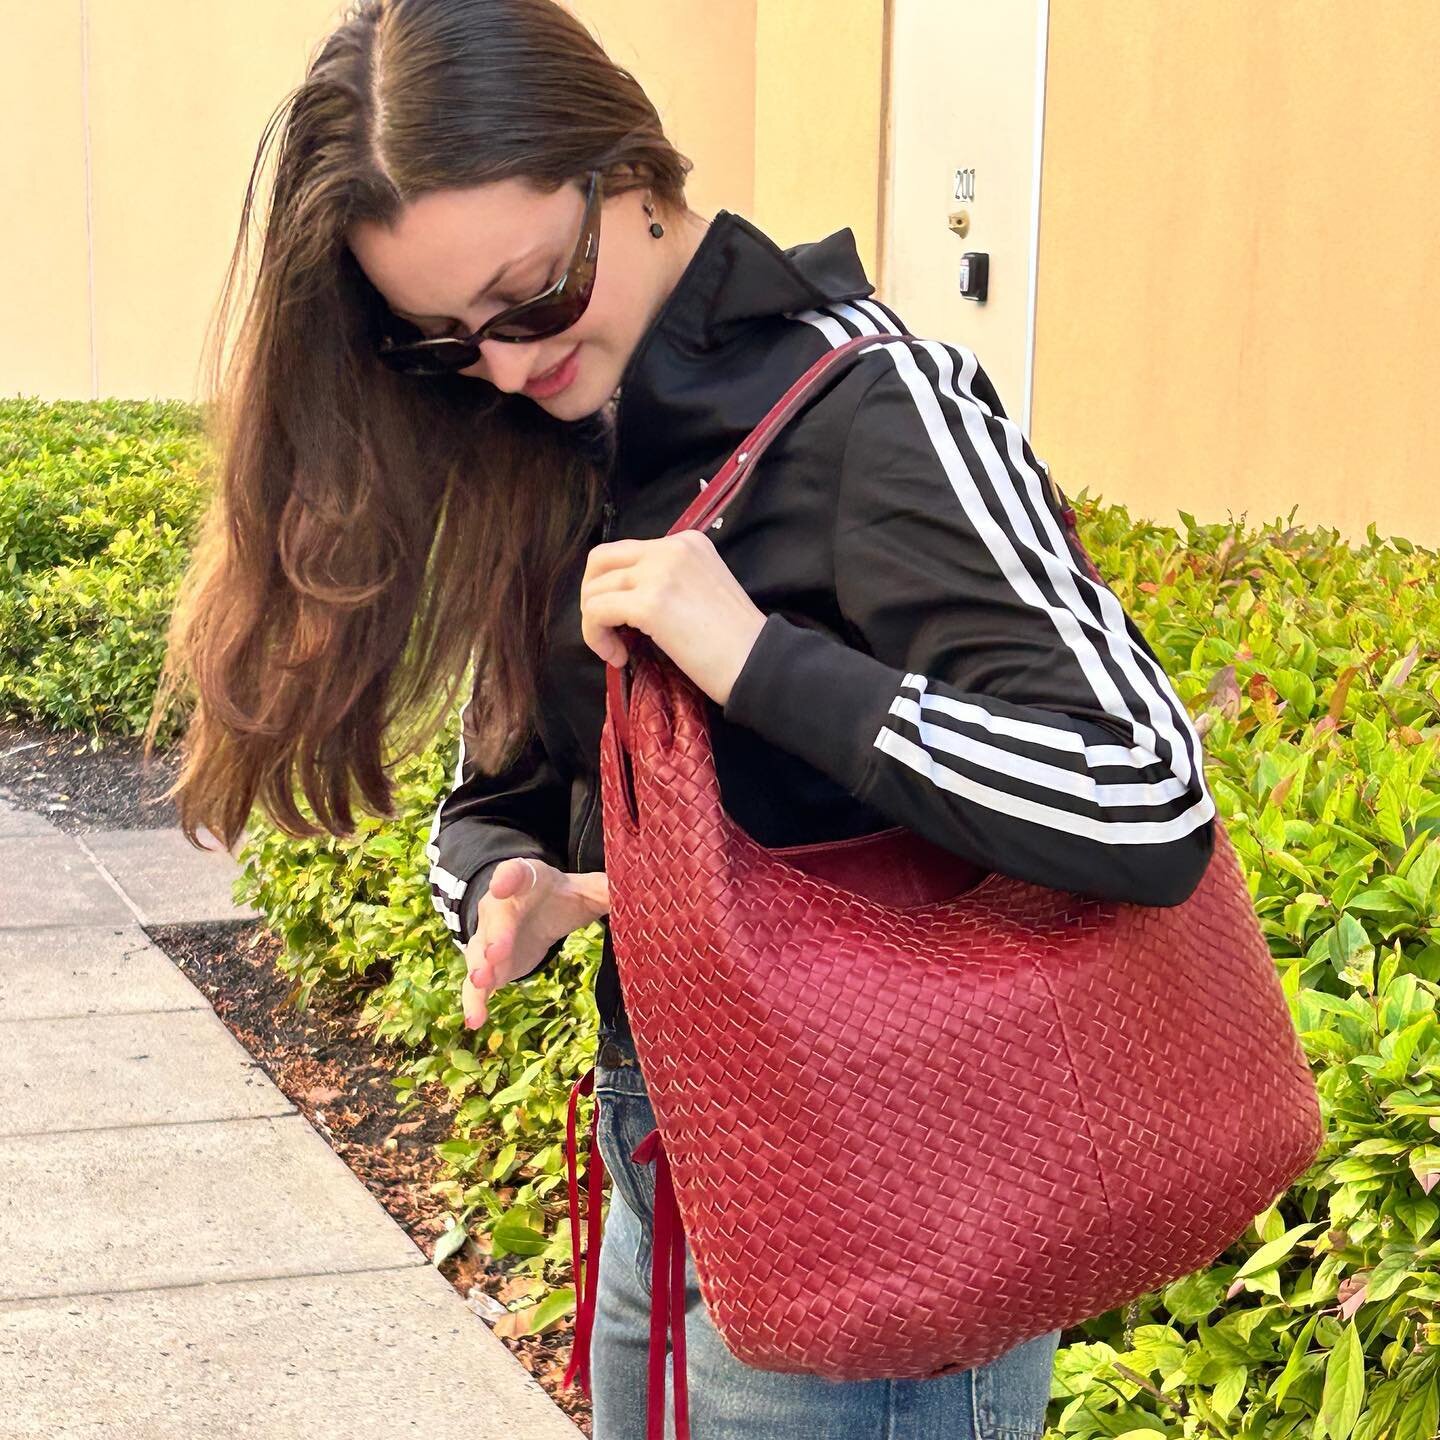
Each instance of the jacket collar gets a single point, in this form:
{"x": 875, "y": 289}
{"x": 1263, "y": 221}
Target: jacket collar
{"x": 738, "y": 273}
{"x": 671, "y": 399}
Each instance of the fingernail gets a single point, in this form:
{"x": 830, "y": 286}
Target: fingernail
{"x": 472, "y": 1022}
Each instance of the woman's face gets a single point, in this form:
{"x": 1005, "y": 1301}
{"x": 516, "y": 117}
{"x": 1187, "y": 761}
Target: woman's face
{"x": 446, "y": 245}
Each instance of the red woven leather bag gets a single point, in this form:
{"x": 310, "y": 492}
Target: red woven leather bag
{"x": 908, "y": 1113}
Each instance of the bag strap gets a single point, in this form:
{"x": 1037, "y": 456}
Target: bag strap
{"x": 720, "y": 491}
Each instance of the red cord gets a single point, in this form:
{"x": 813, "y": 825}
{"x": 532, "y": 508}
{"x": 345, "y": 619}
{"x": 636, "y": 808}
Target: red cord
{"x": 667, "y": 1296}
{"x": 586, "y": 1281}
{"x": 667, "y": 1270}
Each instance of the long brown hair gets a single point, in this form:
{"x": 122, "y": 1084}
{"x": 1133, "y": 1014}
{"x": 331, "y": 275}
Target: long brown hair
{"x": 373, "y": 533}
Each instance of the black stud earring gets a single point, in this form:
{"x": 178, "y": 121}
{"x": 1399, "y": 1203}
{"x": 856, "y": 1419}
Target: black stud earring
{"x": 656, "y": 228}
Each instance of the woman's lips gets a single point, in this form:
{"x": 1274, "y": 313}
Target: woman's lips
{"x": 553, "y": 381}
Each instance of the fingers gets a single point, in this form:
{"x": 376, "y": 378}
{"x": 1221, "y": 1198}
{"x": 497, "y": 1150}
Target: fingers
{"x": 486, "y": 968}
{"x": 494, "y": 957}
{"x": 605, "y": 641}
{"x": 490, "y": 947}
{"x": 512, "y": 880}
{"x": 480, "y": 980}
{"x": 512, "y": 877}
{"x": 473, "y": 1002}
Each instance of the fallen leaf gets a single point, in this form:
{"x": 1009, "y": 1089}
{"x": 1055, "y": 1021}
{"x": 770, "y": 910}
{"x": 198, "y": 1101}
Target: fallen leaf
{"x": 513, "y": 1325}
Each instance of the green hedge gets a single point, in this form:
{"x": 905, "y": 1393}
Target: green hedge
{"x": 98, "y": 506}
{"x": 1310, "y": 666}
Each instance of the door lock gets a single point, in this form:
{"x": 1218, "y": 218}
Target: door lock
{"x": 975, "y": 275}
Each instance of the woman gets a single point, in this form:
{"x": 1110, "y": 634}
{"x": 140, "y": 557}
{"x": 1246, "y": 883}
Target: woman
{"x": 490, "y": 356}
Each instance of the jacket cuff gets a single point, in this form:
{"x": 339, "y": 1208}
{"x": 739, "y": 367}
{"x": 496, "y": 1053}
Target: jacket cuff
{"x": 822, "y": 700}
{"x": 475, "y": 887}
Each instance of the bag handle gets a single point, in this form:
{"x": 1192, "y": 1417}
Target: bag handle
{"x": 720, "y": 491}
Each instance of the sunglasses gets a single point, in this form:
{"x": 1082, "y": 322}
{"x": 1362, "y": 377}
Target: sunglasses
{"x": 404, "y": 347}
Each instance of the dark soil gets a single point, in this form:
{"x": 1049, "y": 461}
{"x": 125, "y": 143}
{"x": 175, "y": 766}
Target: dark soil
{"x": 338, "y": 1077}
{"x": 79, "y": 786}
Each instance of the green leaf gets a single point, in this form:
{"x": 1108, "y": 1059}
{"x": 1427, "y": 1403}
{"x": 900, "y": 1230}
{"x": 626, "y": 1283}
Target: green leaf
{"x": 1194, "y": 1297}
{"x": 1387, "y": 1276}
{"x": 521, "y": 1088}
{"x": 1297, "y": 689}
{"x": 515, "y": 1233}
{"x": 1228, "y": 1390}
{"x": 449, "y": 1242}
{"x": 556, "y": 1304}
{"x": 1344, "y": 1391}
{"x": 1378, "y": 901}
{"x": 1424, "y": 1159}
{"x": 1270, "y": 1255}
{"x": 1399, "y": 1047}
{"x": 1294, "y": 1364}
{"x": 1417, "y": 1215}
{"x": 1351, "y": 951}
{"x": 1424, "y": 868}
{"x": 1420, "y": 1419}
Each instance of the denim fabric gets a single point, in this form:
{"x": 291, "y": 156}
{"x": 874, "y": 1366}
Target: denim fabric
{"x": 1004, "y": 1399}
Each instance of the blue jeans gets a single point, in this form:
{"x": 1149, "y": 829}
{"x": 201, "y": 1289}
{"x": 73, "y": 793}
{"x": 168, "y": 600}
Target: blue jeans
{"x": 1004, "y": 1399}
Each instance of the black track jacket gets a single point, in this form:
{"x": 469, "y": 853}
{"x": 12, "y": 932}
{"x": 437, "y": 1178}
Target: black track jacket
{"x": 933, "y": 656}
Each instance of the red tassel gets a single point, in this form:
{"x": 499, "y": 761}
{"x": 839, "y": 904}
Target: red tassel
{"x": 586, "y": 1281}
{"x": 667, "y": 1296}
{"x": 667, "y": 1270}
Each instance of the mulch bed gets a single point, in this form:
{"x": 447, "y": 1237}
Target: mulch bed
{"x": 77, "y": 787}
{"x": 334, "y": 1073}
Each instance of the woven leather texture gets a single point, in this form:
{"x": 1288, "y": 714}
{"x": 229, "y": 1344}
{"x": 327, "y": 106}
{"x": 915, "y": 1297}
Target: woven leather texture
{"x": 905, "y": 1136}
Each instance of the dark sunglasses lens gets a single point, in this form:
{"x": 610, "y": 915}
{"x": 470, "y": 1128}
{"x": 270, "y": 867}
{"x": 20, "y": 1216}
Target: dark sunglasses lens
{"x": 546, "y": 317}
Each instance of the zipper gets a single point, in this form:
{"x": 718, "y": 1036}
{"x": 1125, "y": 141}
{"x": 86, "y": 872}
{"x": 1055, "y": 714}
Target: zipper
{"x": 585, "y": 827}
{"x": 608, "y": 519}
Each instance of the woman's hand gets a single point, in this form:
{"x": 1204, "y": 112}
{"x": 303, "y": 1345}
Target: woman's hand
{"x": 517, "y": 922}
{"x": 679, "y": 592}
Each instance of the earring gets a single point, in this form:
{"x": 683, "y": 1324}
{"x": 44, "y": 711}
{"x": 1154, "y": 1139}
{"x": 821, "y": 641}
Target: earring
{"x": 656, "y": 228}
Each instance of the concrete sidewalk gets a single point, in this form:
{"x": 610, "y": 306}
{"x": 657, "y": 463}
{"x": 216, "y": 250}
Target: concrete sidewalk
{"x": 181, "y": 1255}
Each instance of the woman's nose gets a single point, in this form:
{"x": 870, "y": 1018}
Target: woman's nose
{"x": 507, "y": 366}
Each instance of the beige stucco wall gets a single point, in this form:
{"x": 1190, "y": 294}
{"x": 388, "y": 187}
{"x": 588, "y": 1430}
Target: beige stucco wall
{"x": 132, "y": 127}
{"x": 178, "y": 96}
{"x": 697, "y": 64}
{"x": 1238, "y": 229}
{"x": 44, "y": 264}
{"x": 1239, "y": 249}
{"x": 819, "y": 73}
